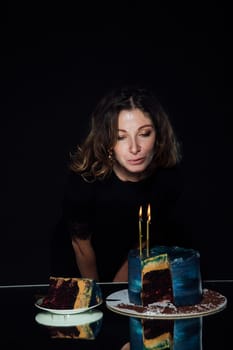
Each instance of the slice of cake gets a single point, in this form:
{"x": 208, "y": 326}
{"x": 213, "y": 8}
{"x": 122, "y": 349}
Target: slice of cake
{"x": 72, "y": 293}
{"x": 169, "y": 274}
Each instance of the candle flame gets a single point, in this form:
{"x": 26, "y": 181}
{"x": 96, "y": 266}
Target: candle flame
{"x": 148, "y": 213}
{"x": 140, "y": 213}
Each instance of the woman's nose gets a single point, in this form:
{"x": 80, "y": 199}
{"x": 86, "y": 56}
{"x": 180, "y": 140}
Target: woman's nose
{"x": 134, "y": 146}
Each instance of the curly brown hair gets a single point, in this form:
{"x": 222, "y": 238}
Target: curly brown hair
{"x": 91, "y": 159}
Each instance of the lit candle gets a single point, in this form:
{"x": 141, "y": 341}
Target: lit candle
{"x": 148, "y": 231}
{"x": 140, "y": 230}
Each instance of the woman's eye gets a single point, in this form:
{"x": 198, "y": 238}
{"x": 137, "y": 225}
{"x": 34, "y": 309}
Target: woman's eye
{"x": 145, "y": 133}
{"x": 120, "y": 137}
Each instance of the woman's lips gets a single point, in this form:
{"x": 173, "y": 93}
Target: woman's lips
{"x": 136, "y": 161}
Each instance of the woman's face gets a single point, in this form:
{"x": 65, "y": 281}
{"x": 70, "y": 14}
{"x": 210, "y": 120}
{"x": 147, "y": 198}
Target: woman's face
{"x": 134, "y": 148}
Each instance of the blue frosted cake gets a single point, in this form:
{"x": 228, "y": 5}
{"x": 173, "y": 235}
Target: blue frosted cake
{"x": 181, "y": 334}
{"x": 169, "y": 274}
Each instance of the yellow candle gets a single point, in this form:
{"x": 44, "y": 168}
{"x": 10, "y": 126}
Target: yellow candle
{"x": 140, "y": 230}
{"x": 148, "y": 231}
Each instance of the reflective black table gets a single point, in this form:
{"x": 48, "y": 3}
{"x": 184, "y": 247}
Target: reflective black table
{"x": 20, "y": 327}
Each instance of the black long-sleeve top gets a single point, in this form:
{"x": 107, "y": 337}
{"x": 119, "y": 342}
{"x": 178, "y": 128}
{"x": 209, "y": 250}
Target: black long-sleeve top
{"x": 109, "y": 211}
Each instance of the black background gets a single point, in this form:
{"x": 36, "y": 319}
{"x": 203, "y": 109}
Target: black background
{"x": 56, "y": 61}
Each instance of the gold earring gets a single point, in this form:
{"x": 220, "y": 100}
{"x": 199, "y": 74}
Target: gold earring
{"x": 110, "y": 154}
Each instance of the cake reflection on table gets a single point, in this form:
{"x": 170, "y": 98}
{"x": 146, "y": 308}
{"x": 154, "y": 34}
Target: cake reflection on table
{"x": 86, "y": 325}
{"x": 181, "y": 334}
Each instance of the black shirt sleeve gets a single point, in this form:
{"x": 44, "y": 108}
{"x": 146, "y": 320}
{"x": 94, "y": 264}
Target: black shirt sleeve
{"x": 77, "y": 206}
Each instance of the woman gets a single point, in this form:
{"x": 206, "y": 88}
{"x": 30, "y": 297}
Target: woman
{"x": 129, "y": 159}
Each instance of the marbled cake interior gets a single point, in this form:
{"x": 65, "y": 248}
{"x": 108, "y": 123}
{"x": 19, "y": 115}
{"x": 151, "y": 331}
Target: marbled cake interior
{"x": 71, "y": 293}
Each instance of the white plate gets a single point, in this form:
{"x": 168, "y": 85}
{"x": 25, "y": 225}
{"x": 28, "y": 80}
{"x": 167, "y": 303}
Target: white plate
{"x": 158, "y": 311}
{"x": 55, "y": 320}
{"x": 65, "y": 311}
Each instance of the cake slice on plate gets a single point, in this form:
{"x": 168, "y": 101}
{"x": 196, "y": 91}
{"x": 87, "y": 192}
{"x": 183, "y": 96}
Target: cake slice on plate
{"x": 72, "y": 293}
